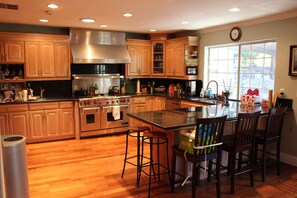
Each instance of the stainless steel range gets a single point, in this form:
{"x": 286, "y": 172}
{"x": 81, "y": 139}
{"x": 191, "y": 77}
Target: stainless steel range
{"x": 103, "y": 115}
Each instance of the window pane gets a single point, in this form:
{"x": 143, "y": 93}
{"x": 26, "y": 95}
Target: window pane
{"x": 256, "y": 67}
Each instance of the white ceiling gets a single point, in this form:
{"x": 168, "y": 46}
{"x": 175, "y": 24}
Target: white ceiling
{"x": 165, "y": 16}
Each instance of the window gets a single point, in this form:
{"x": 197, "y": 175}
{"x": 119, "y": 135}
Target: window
{"x": 241, "y": 67}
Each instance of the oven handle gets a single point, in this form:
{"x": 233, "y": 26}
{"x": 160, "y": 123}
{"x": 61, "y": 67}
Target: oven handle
{"x": 91, "y": 108}
{"x": 105, "y": 107}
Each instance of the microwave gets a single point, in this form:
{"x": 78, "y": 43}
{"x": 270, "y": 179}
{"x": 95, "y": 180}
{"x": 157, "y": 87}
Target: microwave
{"x": 191, "y": 70}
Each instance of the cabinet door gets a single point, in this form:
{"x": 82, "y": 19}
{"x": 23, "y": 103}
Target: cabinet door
{"x": 179, "y": 69}
{"x": 52, "y": 123}
{"x": 14, "y": 51}
{"x": 47, "y": 59}
{"x": 4, "y": 130}
{"x": 132, "y": 68}
{"x": 37, "y": 124}
{"x": 144, "y": 60}
{"x": 62, "y": 60}
{"x": 150, "y": 103}
{"x": 19, "y": 123}
{"x": 31, "y": 60}
{"x": 169, "y": 59}
{"x": 159, "y": 103}
{"x": 67, "y": 122}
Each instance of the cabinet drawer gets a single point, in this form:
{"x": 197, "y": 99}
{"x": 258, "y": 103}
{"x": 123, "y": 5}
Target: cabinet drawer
{"x": 66, "y": 105}
{"x": 139, "y": 100}
{"x": 43, "y": 106}
{"x": 13, "y": 108}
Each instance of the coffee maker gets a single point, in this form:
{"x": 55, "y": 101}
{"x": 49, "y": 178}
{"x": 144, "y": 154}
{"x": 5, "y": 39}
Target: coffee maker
{"x": 193, "y": 87}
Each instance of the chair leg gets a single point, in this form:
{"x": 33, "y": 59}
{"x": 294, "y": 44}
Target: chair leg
{"x": 173, "y": 166}
{"x": 151, "y": 167}
{"x": 126, "y": 153}
{"x": 228, "y": 164}
{"x": 256, "y": 153}
{"x": 209, "y": 171}
{"x": 158, "y": 153}
{"x": 218, "y": 176}
{"x": 251, "y": 156}
{"x": 194, "y": 180}
{"x": 232, "y": 172}
{"x": 139, "y": 170}
{"x": 264, "y": 163}
{"x": 278, "y": 157}
{"x": 239, "y": 161}
{"x": 168, "y": 163}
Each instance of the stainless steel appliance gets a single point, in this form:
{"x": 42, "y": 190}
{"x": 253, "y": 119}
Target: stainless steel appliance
{"x": 103, "y": 115}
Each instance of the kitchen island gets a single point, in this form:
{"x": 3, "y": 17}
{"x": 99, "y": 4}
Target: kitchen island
{"x": 172, "y": 122}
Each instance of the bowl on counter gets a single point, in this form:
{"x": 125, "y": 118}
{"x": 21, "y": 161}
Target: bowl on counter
{"x": 160, "y": 89}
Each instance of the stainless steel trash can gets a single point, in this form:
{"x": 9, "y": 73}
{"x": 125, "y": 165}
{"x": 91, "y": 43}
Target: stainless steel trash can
{"x": 15, "y": 166}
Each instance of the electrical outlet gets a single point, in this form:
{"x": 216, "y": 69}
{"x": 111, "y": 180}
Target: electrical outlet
{"x": 282, "y": 90}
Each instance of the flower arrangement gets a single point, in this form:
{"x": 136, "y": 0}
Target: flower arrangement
{"x": 227, "y": 91}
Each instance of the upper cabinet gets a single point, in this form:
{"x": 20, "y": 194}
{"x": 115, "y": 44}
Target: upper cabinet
{"x": 11, "y": 51}
{"x": 140, "y": 54}
{"x": 158, "y": 57}
{"x": 182, "y": 53}
{"x": 47, "y": 60}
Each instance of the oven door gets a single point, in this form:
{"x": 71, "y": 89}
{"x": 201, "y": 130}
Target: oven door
{"x": 114, "y": 116}
{"x": 90, "y": 119}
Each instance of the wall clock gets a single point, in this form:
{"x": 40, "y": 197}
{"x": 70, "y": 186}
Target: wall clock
{"x": 235, "y": 34}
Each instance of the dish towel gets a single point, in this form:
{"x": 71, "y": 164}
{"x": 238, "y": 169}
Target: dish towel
{"x": 116, "y": 113}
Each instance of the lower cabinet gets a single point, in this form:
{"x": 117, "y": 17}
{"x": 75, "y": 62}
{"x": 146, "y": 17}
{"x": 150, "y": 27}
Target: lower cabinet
{"x": 52, "y": 120}
{"x": 44, "y": 120}
{"x": 14, "y": 120}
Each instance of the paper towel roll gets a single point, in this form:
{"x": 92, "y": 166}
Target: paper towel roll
{"x": 25, "y": 95}
{"x": 270, "y": 92}
{"x": 138, "y": 87}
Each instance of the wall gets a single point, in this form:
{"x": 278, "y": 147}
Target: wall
{"x": 285, "y": 33}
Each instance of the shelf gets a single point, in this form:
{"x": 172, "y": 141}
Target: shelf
{"x": 13, "y": 81}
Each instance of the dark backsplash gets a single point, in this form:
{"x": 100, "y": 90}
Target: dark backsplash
{"x": 52, "y": 89}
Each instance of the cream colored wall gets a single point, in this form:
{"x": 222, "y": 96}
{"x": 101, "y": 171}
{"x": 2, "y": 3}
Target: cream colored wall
{"x": 285, "y": 33}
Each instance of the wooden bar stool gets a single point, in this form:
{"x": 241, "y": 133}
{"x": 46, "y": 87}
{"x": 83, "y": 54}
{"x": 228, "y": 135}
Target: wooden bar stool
{"x": 271, "y": 134}
{"x": 155, "y": 138}
{"x": 242, "y": 140}
{"x": 135, "y": 132}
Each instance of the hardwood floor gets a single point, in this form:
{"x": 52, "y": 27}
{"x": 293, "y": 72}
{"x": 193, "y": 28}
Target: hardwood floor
{"x": 92, "y": 168}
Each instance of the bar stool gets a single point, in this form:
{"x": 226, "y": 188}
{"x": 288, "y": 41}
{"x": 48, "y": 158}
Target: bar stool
{"x": 154, "y": 138}
{"x": 135, "y": 132}
{"x": 271, "y": 134}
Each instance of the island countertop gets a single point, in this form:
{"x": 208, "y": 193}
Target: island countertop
{"x": 186, "y": 117}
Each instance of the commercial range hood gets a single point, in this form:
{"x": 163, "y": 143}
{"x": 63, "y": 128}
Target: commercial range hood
{"x": 98, "y": 47}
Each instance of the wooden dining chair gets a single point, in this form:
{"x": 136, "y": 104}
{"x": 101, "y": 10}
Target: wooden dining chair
{"x": 207, "y": 146}
{"x": 271, "y": 134}
{"x": 242, "y": 140}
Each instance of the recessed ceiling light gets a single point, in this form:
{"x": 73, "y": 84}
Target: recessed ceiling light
{"x": 43, "y": 20}
{"x": 88, "y": 20}
{"x": 53, "y": 6}
{"x": 127, "y": 14}
{"x": 153, "y": 30}
{"x": 185, "y": 22}
{"x": 235, "y": 9}
{"x": 103, "y": 26}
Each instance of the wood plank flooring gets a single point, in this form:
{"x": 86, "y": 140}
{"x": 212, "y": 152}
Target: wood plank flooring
{"x": 91, "y": 168}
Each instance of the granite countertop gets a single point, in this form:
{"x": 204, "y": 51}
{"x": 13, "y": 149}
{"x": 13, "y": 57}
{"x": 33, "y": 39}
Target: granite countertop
{"x": 186, "y": 117}
{"x": 40, "y": 100}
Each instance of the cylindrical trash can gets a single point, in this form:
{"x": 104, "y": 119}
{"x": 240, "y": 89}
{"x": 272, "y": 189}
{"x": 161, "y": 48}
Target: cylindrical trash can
{"x": 15, "y": 166}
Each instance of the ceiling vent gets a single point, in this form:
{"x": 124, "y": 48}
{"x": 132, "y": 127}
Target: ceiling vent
{"x": 9, "y": 6}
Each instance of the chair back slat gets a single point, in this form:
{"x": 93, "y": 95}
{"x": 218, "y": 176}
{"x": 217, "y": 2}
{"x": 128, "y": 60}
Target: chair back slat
{"x": 245, "y": 129}
{"x": 274, "y": 123}
{"x": 209, "y": 131}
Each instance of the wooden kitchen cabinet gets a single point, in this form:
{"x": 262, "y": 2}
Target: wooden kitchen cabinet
{"x": 66, "y": 118}
{"x": 44, "y": 121}
{"x": 158, "y": 59}
{"x": 138, "y": 104}
{"x": 179, "y": 55}
{"x": 140, "y": 54}
{"x": 14, "y": 120}
{"x": 11, "y": 51}
{"x": 62, "y": 60}
{"x": 159, "y": 103}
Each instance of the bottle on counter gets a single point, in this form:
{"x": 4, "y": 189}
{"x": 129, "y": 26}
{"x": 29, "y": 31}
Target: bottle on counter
{"x": 96, "y": 89}
{"x": 123, "y": 88}
{"x": 202, "y": 93}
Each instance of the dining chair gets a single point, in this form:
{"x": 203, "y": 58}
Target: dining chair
{"x": 206, "y": 146}
{"x": 270, "y": 135}
{"x": 240, "y": 142}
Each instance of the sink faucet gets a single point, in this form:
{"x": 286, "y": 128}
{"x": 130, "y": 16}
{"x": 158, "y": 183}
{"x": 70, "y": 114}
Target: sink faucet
{"x": 217, "y": 86}
{"x": 41, "y": 92}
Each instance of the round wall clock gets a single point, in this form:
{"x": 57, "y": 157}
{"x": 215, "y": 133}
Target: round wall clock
{"x": 235, "y": 34}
